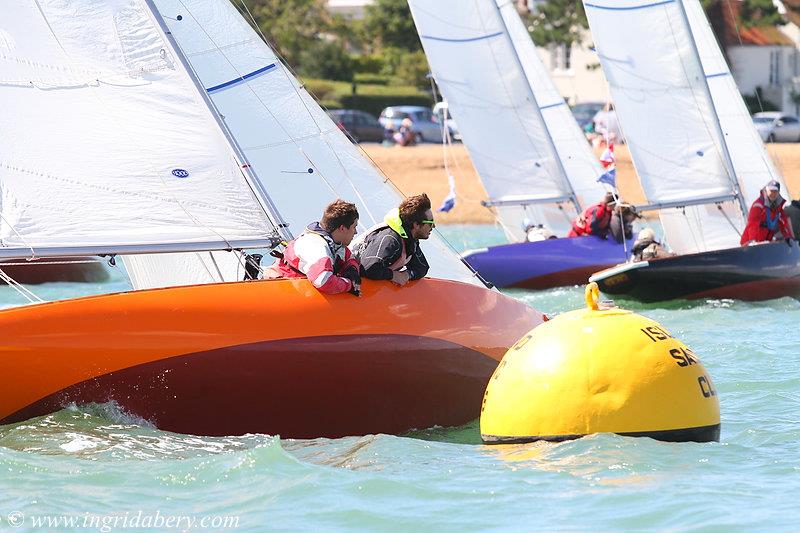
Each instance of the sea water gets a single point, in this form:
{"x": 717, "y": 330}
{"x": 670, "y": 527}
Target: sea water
{"x": 95, "y": 468}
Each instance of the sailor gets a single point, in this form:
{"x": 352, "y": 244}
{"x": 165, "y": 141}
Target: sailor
{"x": 766, "y": 217}
{"x": 391, "y": 250}
{"x": 622, "y": 222}
{"x": 321, "y": 254}
{"x": 595, "y": 220}
{"x": 646, "y": 246}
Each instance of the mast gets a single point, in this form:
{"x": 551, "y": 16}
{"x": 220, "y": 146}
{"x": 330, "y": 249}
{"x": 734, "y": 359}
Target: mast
{"x": 728, "y": 161}
{"x": 251, "y": 177}
{"x": 573, "y": 197}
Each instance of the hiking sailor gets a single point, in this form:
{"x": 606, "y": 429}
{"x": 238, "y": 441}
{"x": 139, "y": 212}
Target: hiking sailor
{"x": 321, "y": 254}
{"x": 391, "y": 250}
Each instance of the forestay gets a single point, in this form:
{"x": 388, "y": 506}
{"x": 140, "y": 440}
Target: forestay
{"x": 520, "y": 134}
{"x": 106, "y": 144}
{"x": 662, "y": 96}
{"x": 299, "y": 155}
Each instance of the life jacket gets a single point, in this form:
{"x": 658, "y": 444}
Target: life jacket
{"x": 764, "y": 220}
{"x": 316, "y": 256}
{"x": 391, "y": 220}
{"x": 595, "y": 216}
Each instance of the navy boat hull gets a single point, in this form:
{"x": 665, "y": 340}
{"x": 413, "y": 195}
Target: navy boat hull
{"x": 759, "y": 272}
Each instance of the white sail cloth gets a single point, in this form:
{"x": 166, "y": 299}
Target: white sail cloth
{"x": 299, "y": 155}
{"x": 520, "y": 134}
{"x": 106, "y": 141}
{"x": 688, "y": 131}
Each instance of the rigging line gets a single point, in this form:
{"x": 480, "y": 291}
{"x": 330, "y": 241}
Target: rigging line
{"x": 735, "y": 228}
{"x": 18, "y": 234}
{"x": 286, "y": 69}
{"x": 23, "y": 291}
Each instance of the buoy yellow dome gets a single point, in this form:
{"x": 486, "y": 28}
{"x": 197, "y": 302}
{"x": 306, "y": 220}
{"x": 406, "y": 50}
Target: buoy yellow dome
{"x": 600, "y": 371}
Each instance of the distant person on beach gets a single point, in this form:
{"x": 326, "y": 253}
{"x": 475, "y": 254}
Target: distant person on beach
{"x": 404, "y": 136}
{"x": 646, "y": 247}
{"x": 391, "y": 250}
{"x": 321, "y": 254}
{"x": 595, "y": 219}
{"x": 767, "y": 219}
{"x": 606, "y": 124}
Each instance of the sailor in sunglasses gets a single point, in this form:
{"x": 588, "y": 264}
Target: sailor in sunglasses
{"x": 391, "y": 250}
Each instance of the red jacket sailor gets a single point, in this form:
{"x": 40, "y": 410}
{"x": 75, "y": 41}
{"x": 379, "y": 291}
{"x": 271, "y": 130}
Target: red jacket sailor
{"x": 766, "y": 217}
{"x": 321, "y": 254}
{"x": 595, "y": 220}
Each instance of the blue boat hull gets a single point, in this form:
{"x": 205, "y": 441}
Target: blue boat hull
{"x": 546, "y": 264}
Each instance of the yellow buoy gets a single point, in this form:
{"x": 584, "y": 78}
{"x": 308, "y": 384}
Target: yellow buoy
{"x": 599, "y": 370}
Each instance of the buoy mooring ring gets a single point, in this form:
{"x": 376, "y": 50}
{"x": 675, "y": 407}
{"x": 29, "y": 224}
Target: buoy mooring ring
{"x": 599, "y": 370}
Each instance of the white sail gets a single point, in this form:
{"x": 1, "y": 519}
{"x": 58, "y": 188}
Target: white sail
{"x": 661, "y": 94}
{"x": 520, "y": 133}
{"x": 106, "y": 142}
{"x": 300, "y": 156}
{"x": 751, "y": 162}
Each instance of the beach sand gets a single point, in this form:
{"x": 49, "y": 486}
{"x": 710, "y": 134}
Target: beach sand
{"x": 416, "y": 169}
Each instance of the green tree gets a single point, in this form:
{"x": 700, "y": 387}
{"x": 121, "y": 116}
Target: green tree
{"x": 389, "y": 23}
{"x": 291, "y": 26}
{"x": 557, "y": 22}
{"x": 759, "y": 13}
{"x": 413, "y": 70}
{"x": 326, "y": 60}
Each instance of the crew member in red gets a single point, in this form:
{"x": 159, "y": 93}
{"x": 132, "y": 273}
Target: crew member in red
{"x": 595, "y": 220}
{"x": 766, "y": 217}
{"x": 321, "y": 254}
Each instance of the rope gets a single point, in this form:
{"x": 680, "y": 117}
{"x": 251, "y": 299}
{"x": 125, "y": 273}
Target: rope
{"x": 27, "y": 294}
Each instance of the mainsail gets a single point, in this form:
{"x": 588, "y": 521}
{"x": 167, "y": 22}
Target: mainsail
{"x": 299, "y": 155}
{"x": 521, "y": 136}
{"x": 107, "y": 146}
{"x": 691, "y": 139}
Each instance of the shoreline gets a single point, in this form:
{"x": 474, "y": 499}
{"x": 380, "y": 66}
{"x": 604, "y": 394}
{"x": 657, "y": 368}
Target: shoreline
{"x": 421, "y": 168}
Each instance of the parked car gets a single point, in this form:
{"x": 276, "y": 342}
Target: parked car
{"x": 775, "y": 126}
{"x": 442, "y": 113}
{"x": 358, "y": 125}
{"x": 584, "y": 113}
{"x": 425, "y": 128}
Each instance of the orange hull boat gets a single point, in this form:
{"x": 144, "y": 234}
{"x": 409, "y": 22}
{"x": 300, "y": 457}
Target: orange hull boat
{"x": 272, "y": 357}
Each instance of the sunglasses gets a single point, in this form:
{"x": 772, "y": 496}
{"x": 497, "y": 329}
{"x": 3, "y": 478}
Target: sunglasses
{"x": 429, "y": 222}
